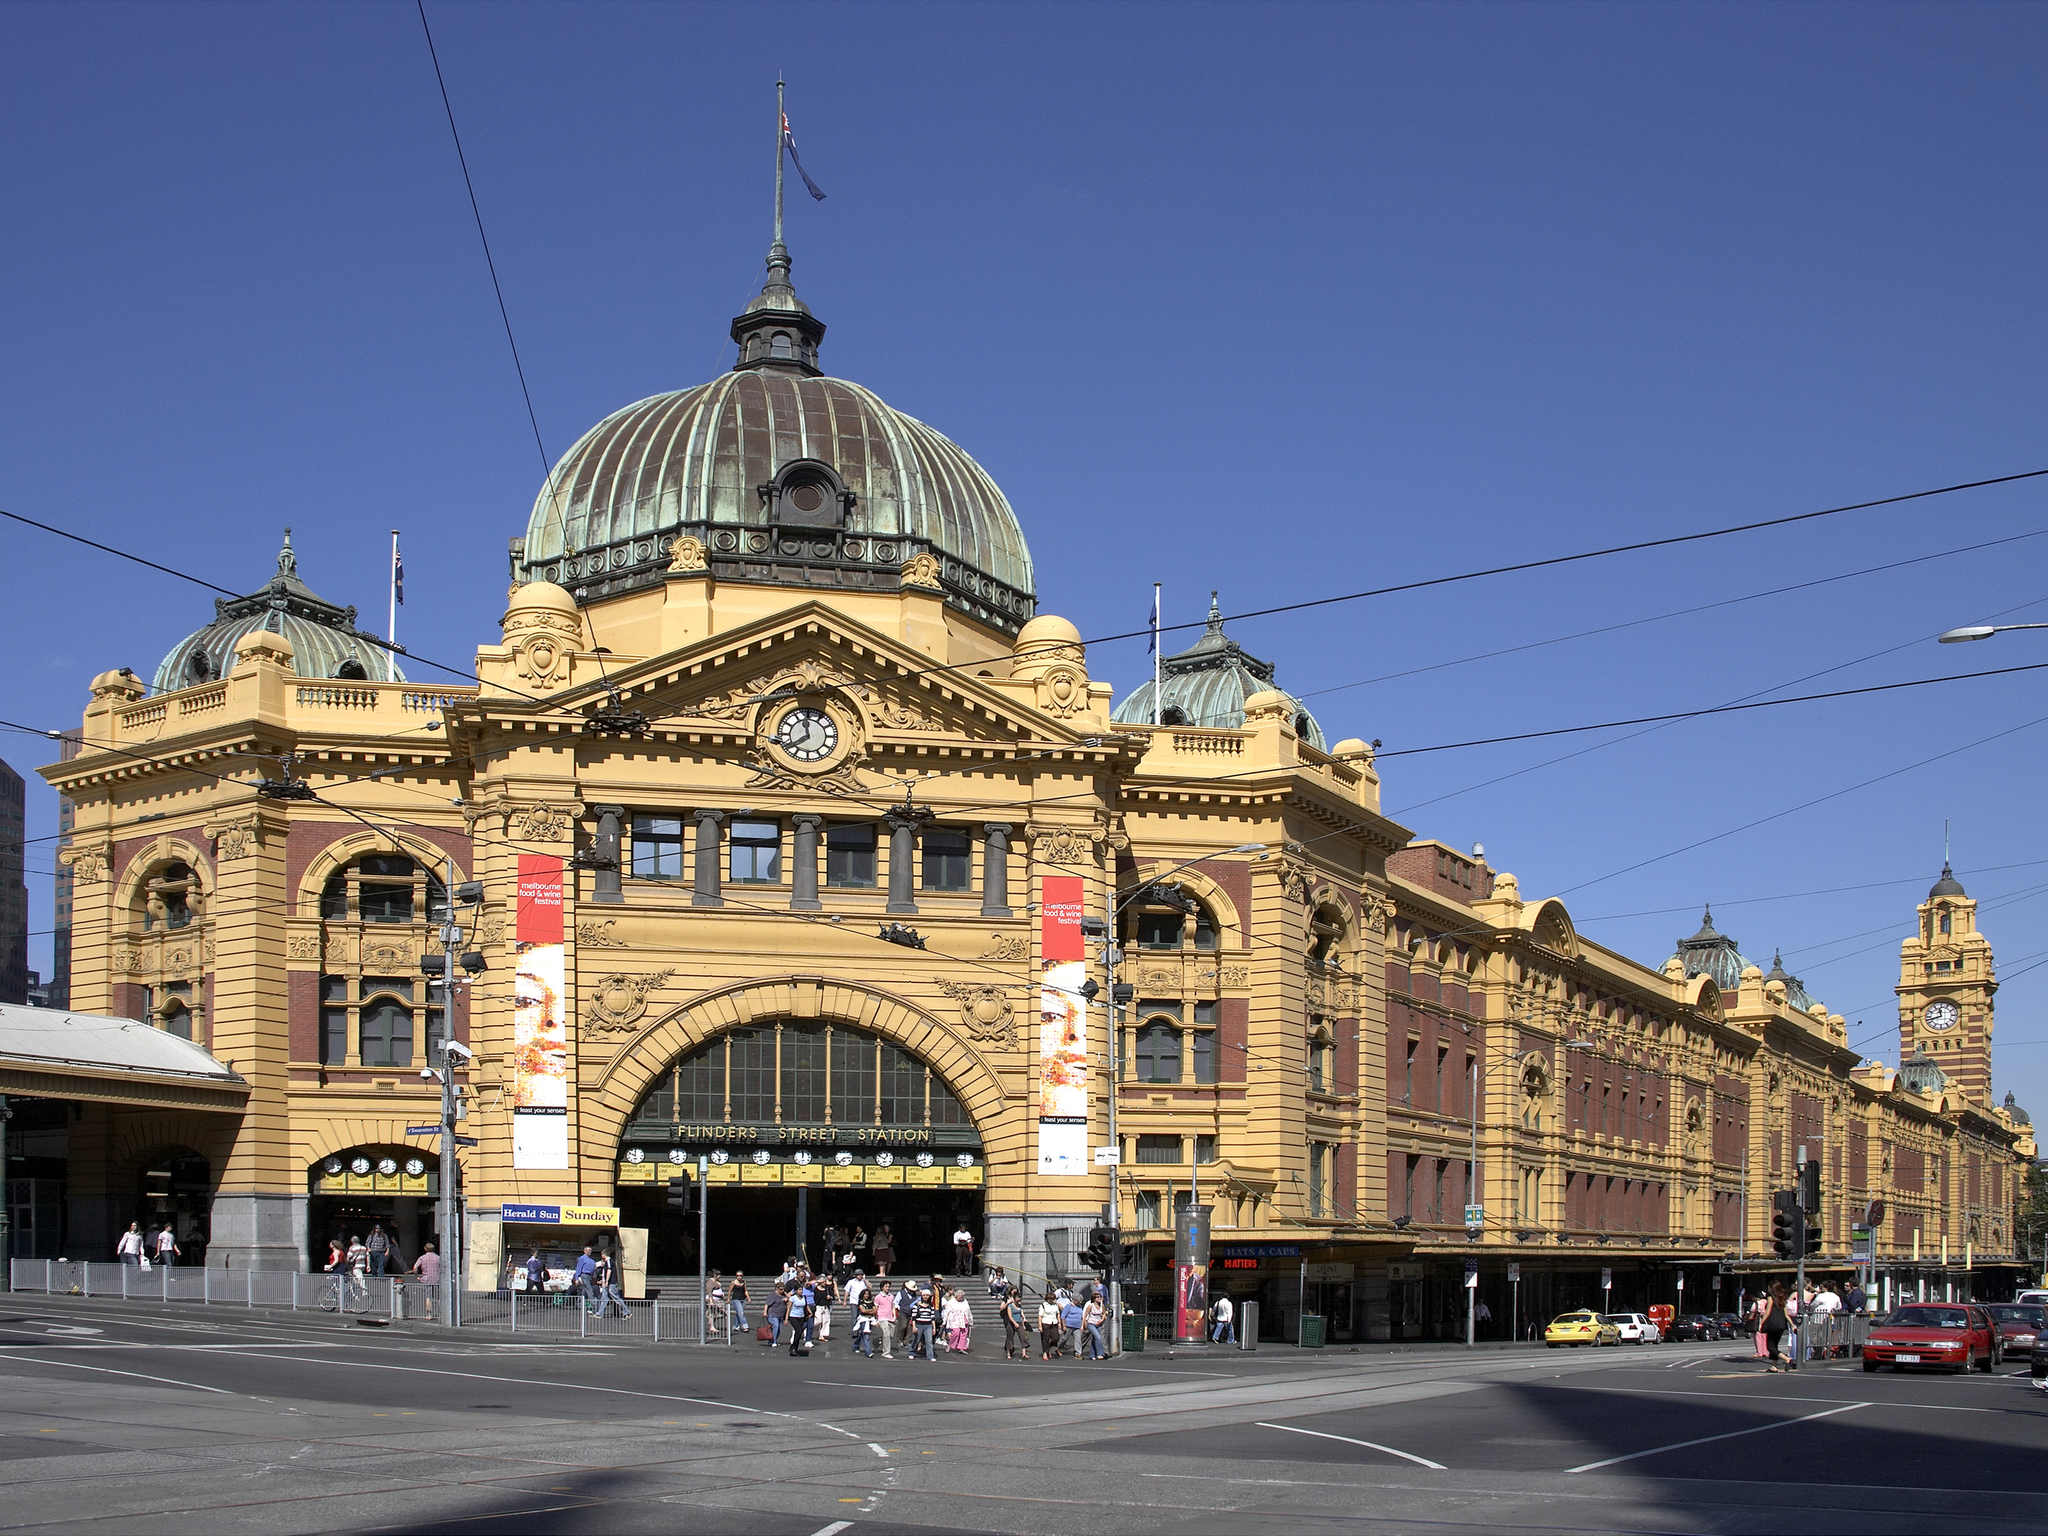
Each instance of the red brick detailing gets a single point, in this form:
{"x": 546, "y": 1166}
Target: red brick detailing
{"x": 1233, "y": 1015}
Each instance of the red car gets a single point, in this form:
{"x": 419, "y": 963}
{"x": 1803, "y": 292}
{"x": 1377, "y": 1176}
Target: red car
{"x": 2019, "y": 1327}
{"x": 1931, "y": 1333}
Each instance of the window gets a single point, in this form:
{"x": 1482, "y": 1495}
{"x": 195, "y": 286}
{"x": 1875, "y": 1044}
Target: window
{"x": 386, "y": 1038}
{"x": 1408, "y": 1186}
{"x": 1159, "y": 930}
{"x": 657, "y": 847}
{"x": 1146, "y": 1212}
{"x": 1204, "y": 1043}
{"x": 853, "y": 1078}
{"x": 1205, "y": 1149}
{"x": 756, "y": 856}
{"x": 1470, "y": 1085}
{"x": 1321, "y": 1061}
{"x": 945, "y": 859}
{"x": 1443, "y": 1056}
{"x": 1318, "y": 1162}
{"x": 1944, "y": 922}
{"x": 902, "y": 1087}
{"x": 1158, "y": 1056}
{"x": 165, "y": 902}
{"x": 1158, "y": 1149}
{"x": 803, "y": 1074}
{"x": 386, "y": 890}
{"x": 1408, "y": 1077}
{"x": 177, "y": 1019}
{"x": 1205, "y": 929}
{"x": 752, "y": 1076}
{"x": 333, "y": 1021}
{"x": 850, "y": 854}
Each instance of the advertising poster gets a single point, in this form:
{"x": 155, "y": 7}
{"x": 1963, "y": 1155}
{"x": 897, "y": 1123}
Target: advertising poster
{"x": 540, "y": 1041}
{"x": 1190, "y": 1273}
{"x": 1062, "y": 1031}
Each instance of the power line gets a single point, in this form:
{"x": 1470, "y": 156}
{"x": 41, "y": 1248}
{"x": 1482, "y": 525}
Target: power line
{"x": 108, "y": 549}
{"x": 504, "y": 314}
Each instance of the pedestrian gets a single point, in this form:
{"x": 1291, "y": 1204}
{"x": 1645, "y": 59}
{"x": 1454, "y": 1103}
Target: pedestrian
{"x": 856, "y": 1287}
{"x": 737, "y": 1295}
{"x": 1223, "y": 1318}
{"x": 1795, "y": 1314}
{"x": 884, "y": 1301}
{"x": 1482, "y": 1317}
{"x": 1015, "y": 1345}
{"x": 585, "y": 1278}
{"x": 380, "y": 1248}
{"x": 999, "y": 1285}
{"x": 129, "y": 1249}
{"x": 1070, "y": 1322}
{"x": 885, "y": 1248}
{"x": 923, "y": 1316}
{"x": 428, "y": 1267}
{"x": 798, "y": 1320}
{"x": 778, "y": 1314}
{"x": 864, "y": 1326}
{"x": 337, "y": 1257}
{"x": 1853, "y": 1300}
{"x": 963, "y": 1250}
{"x": 536, "y": 1273}
{"x": 167, "y": 1249}
{"x": 358, "y": 1255}
{"x": 2037, "y": 1368}
{"x": 608, "y": 1292}
{"x": 860, "y": 1240}
{"x": 1048, "y": 1327}
{"x": 1093, "y": 1316}
{"x": 1758, "y": 1311}
{"x": 957, "y": 1318}
{"x": 823, "y": 1294}
{"x": 1775, "y": 1322}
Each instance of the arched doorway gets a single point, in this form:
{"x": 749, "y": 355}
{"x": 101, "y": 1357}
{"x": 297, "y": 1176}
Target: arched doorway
{"x": 350, "y": 1193}
{"x": 174, "y": 1187}
{"x": 804, "y": 1129}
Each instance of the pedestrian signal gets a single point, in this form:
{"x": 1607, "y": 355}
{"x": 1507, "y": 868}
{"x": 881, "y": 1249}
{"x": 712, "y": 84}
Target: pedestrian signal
{"x": 1811, "y": 1234}
{"x": 1786, "y": 1236}
{"x": 681, "y": 1195}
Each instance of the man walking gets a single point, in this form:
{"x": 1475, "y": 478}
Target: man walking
{"x": 963, "y": 1250}
{"x": 380, "y": 1248}
{"x": 167, "y": 1249}
{"x": 586, "y": 1279}
{"x": 1224, "y": 1314}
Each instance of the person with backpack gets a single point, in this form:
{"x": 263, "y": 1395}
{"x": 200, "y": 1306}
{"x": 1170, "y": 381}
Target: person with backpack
{"x": 380, "y": 1248}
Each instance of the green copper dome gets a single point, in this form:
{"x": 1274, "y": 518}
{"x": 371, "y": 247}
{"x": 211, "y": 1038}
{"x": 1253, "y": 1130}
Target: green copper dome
{"x": 323, "y": 635}
{"x": 1208, "y": 683}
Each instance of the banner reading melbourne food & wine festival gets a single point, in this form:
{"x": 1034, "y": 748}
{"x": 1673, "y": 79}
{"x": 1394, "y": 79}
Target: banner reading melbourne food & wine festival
{"x": 1062, "y": 1030}
{"x": 540, "y": 1042}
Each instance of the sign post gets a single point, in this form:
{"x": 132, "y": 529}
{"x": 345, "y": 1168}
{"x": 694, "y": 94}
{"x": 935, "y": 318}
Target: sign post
{"x": 1514, "y": 1301}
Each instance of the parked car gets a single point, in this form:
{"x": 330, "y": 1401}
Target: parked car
{"x": 1635, "y": 1328}
{"x": 1576, "y": 1328}
{"x": 2019, "y": 1327}
{"x": 2032, "y": 1298}
{"x": 1941, "y": 1334}
{"x": 1697, "y": 1325}
{"x": 1732, "y": 1325}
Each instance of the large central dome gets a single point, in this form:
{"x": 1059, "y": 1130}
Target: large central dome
{"x": 787, "y": 477}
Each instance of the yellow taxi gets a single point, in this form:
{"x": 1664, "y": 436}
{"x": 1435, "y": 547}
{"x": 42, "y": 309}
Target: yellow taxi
{"x": 1580, "y": 1328}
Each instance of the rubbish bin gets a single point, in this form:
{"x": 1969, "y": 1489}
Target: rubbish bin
{"x": 1311, "y": 1330}
{"x": 1248, "y": 1325}
{"x": 1134, "y": 1332}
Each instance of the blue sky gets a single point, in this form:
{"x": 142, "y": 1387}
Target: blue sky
{"x": 1281, "y": 301}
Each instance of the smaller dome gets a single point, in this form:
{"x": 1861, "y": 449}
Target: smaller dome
{"x": 1047, "y": 629}
{"x": 1947, "y": 885}
{"x": 541, "y": 597}
{"x": 2012, "y": 1108}
{"x": 1209, "y": 684}
{"x": 323, "y": 636}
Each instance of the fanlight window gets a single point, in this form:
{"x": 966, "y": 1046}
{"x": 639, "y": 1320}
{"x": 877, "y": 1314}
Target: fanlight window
{"x": 801, "y": 1074}
{"x": 384, "y": 888}
{"x": 169, "y": 898}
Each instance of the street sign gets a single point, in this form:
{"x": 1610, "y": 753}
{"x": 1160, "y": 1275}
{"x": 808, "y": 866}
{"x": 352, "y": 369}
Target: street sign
{"x": 1514, "y": 1274}
{"x": 1475, "y": 1215}
{"x": 1107, "y": 1157}
{"x": 1471, "y": 1274}
{"x": 465, "y": 1141}
{"x": 1606, "y": 1279}
{"x": 423, "y": 1130}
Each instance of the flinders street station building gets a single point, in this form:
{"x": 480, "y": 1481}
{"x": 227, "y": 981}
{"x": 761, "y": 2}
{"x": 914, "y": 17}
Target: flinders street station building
{"x": 783, "y": 838}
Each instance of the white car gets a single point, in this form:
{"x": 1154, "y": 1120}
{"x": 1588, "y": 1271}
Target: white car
{"x": 1636, "y": 1328}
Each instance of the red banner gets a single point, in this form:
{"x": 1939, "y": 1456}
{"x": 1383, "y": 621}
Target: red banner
{"x": 1059, "y": 922}
{"x": 540, "y": 899}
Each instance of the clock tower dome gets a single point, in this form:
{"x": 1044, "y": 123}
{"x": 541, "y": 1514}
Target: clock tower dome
{"x": 1946, "y": 983}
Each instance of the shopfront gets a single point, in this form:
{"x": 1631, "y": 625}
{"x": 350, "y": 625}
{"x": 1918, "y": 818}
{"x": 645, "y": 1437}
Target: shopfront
{"x": 353, "y": 1192}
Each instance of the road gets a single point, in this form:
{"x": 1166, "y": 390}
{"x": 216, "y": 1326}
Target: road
{"x": 167, "y": 1419}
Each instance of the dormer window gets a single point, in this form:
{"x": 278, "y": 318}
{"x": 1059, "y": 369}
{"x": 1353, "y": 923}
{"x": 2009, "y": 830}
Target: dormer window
{"x": 807, "y": 494}
{"x": 197, "y": 668}
{"x": 352, "y": 671}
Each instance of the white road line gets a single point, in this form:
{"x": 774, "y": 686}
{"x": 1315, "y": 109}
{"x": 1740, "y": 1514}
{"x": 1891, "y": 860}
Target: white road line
{"x": 834, "y": 1528}
{"x": 1733, "y": 1434}
{"x": 1370, "y": 1445}
{"x": 162, "y": 1381}
{"x": 862, "y": 1386}
{"x": 878, "y": 1450}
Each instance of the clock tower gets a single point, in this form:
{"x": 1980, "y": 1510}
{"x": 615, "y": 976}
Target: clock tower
{"x": 1946, "y": 983}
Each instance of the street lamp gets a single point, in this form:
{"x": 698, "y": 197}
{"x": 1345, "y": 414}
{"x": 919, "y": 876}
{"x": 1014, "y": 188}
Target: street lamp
{"x": 1111, "y": 956}
{"x": 1511, "y": 1055}
{"x": 1969, "y": 632}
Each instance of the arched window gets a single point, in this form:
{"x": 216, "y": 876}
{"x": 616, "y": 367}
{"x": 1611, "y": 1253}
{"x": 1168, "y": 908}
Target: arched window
{"x": 779, "y": 345}
{"x": 168, "y": 899}
{"x": 386, "y": 1033}
{"x": 1157, "y": 1058}
{"x": 352, "y": 671}
{"x": 384, "y": 888}
{"x": 1944, "y": 922}
{"x": 1157, "y": 918}
{"x": 1326, "y": 937}
{"x": 1173, "y": 714}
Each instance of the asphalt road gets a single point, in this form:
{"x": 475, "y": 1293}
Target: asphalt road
{"x": 174, "y": 1419}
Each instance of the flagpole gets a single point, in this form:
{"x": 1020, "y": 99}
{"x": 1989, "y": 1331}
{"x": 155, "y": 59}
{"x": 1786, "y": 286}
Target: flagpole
{"x": 1158, "y": 709}
{"x": 779, "y": 120}
{"x": 391, "y": 629}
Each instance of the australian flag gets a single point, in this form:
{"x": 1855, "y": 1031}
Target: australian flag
{"x": 789, "y": 143}
{"x": 397, "y": 575}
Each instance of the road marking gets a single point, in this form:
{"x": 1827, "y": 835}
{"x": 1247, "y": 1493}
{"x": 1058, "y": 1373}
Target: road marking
{"x": 862, "y": 1386}
{"x": 162, "y": 1381}
{"x": 878, "y": 1450}
{"x": 1370, "y": 1445}
{"x": 1733, "y": 1434}
{"x": 834, "y": 1528}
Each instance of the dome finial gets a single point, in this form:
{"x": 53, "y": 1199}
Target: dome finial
{"x": 777, "y": 331}
{"x": 287, "y": 561}
{"x": 1215, "y": 614}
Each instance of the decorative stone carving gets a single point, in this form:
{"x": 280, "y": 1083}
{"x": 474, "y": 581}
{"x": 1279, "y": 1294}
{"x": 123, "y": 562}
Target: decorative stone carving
{"x": 688, "y": 554}
{"x": 1295, "y": 879}
{"x": 985, "y": 1010}
{"x": 302, "y": 946}
{"x": 600, "y": 935}
{"x": 129, "y": 961}
{"x": 769, "y": 773}
{"x": 1012, "y": 946}
{"x": 490, "y": 930}
{"x": 1063, "y": 690}
{"x": 1377, "y": 911}
{"x": 383, "y": 955}
{"x": 538, "y": 823}
{"x": 1236, "y": 976}
{"x": 811, "y": 676}
{"x": 617, "y": 1001}
{"x": 1065, "y": 845}
{"x": 1159, "y": 979}
{"x": 86, "y": 864}
{"x": 922, "y": 571}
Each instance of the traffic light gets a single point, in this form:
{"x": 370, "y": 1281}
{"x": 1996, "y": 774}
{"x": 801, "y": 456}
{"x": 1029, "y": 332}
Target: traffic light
{"x": 1785, "y": 1225}
{"x": 681, "y": 1195}
{"x": 1809, "y": 1189}
{"x": 1812, "y": 1234}
{"x": 1100, "y": 1254}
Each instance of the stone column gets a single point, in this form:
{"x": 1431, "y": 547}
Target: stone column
{"x": 803, "y": 883}
{"x": 995, "y": 869}
{"x": 902, "y": 861}
{"x": 710, "y": 844}
{"x": 605, "y": 849}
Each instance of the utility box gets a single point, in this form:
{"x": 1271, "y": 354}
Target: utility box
{"x": 1311, "y": 1330}
{"x": 1134, "y": 1333}
{"x": 1248, "y": 1325}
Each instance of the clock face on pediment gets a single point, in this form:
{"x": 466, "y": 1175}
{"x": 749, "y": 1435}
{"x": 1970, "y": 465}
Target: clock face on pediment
{"x": 1941, "y": 1015}
{"x": 805, "y": 734}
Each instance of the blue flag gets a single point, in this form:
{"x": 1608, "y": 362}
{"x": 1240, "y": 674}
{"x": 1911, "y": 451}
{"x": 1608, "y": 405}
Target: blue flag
{"x": 789, "y": 143}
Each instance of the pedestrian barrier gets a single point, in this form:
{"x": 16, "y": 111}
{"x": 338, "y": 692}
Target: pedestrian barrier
{"x": 390, "y": 1297}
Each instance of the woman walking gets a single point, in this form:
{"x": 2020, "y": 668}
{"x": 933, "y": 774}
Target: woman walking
{"x": 1014, "y": 1345}
{"x": 1775, "y": 1324}
{"x": 959, "y": 1319}
{"x": 1758, "y": 1309}
{"x": 1093, "y": 1316}
{"x": 864, "y": 1326}
{"x": 885, "y": 1248}
{"x": 1048, "y": 1328}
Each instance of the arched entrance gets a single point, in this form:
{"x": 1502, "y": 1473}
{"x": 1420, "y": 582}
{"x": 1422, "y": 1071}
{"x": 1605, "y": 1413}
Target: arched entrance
{"x": 350, "y": 1193}
{"x": 174, "y": 1188}
{"x": 806, "y": 1130}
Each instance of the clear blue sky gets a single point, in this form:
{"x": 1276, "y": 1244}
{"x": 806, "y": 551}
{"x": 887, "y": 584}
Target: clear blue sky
{"x": 1282, "y": 301}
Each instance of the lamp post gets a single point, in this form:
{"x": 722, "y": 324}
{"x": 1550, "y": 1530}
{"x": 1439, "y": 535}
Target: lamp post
{"x": 1968, "y": 632}
{"x": 1112, "y": 955}
{"x": 1472, "y": 1191}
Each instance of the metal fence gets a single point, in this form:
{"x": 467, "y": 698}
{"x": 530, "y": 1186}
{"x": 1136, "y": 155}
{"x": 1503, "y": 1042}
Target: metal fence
{"x": 383, "y": 1297}
{"x": 1833, "y": 1336}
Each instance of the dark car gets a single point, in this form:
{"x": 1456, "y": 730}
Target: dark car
{"x": 1945, "y": 1335}
{"x": 1695, "y": 1326}
{"x": 1732, "y": 1326}
{"x": 2019, "y": 1327}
